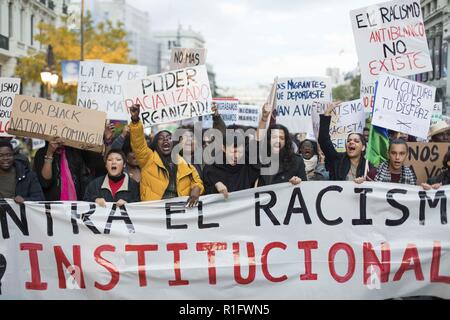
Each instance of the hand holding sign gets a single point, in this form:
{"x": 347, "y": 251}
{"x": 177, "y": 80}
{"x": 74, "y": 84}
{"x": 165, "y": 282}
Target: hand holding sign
{"x": 134, "y": 111}
{"x": 266, "y": 111}
{"x": 214, "y": 109}
{"x": 331, "y": 107}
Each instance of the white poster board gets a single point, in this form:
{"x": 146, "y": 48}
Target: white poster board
{"x": 437, "y": 113}
{"x": 390, "y": 38}
{"x": 295, "y": 97}
{"x": 403, "y": 105}
{"x": 228, "y": 110}
{"x": 100, "y": 86}
{"x": 248, "y": 115}
{"x": 170, "y": 96}
{"x": 349, "y": 117}
{"x": 9, "y": 87}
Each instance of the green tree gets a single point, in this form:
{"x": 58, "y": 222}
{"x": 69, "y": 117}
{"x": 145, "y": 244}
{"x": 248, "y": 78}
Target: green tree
{"x": 348, "y": 91}
{"x": 103, "y": 41}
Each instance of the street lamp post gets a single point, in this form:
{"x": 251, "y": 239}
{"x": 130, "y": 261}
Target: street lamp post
{"x": 49, "y": 77}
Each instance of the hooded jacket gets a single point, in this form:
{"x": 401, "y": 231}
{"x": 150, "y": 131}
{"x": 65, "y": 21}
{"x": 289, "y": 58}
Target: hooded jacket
{"x": 27, "y": 183}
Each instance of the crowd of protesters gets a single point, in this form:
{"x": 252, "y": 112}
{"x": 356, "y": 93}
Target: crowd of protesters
{"x": 135, "y": 167}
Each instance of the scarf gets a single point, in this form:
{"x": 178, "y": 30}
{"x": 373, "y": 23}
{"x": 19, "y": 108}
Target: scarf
{"x": 68, "y": 191}
{"x": 407, "y": 176}
{"x": 311, "y": 164}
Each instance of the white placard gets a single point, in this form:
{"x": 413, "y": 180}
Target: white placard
{"x": 228, "y": 110}
{"x": 170, "y": 96}
{"x": 347, "y": 118}
{"x": 295, "y": 97}
{"x": 9, "y": 87}
{"x": 100, "y": 86}
{"x": 403, "y": 105}
{"x": 187, "y": 57}
{"x": 437, "y": 113}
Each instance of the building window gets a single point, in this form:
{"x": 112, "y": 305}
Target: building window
{"x": 437, "y": 57}
{"x": 22, "y": 24}
{"x": 32, "y": 29}
{"x": 431, "y": 47}
{"x": 10, "y": 19}
{"x": 444, "y": 57}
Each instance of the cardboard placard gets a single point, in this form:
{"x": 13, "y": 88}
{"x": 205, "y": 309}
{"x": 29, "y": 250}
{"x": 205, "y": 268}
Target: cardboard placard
{"x": 44, "y": 119}
{"x": 100, "y": 86}
{"x": 9, "y": 87}
{"x": 403, "y": 105}
{"x": 187, "y": 57}
{"x": 426, "y": 158}
{"x": 348, "y": 118}
{"x": 170, "y": 96}
{"x": 295, "y": 97}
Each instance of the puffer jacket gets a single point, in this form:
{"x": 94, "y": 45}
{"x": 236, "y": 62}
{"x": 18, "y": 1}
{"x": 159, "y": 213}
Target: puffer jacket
{"x": 154, "y": 175}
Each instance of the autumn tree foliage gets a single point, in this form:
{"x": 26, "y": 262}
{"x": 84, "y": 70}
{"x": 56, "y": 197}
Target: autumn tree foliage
{"x": 104, "y": 41}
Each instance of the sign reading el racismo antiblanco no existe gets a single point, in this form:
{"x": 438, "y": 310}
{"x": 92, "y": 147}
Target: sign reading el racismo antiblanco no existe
{"x": 390, "y": 38}
{"x": 170, "y": 96}
{"x": 100, "y": 86}
{"x": 274, "y": 242}
{"x": 403, "y": 105}
{"x": 295, "y": 98}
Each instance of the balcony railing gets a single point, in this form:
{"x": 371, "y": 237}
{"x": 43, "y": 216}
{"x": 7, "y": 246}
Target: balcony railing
{"x": 4, "y": 42}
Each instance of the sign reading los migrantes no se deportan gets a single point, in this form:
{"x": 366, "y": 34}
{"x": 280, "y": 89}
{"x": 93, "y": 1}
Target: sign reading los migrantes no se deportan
{"x": 45, "y": 119}
{"x": 295, "y": 98}
{"x": 390, "y": 38}
{"x": 170, "y": 96}
{"x": 9, "y": 87}
{"x": 403, "y": 105}
{"x": 100, "y": 86}
{"x": 275, "y": 242}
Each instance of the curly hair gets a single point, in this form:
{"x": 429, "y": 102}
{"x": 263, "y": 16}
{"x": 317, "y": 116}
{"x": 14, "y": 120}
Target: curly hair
{"x": 287, "y": 153}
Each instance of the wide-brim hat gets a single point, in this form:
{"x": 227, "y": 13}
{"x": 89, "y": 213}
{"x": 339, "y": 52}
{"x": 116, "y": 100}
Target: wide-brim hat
{"x": 439, "y": 127}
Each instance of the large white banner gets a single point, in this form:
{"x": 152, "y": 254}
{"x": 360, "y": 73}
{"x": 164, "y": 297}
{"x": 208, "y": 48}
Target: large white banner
{"x": 100, "y": 86}
{"x": 170, "y": 96}
{"x": 276, "y": 242}
{"x": 295, "y": 97}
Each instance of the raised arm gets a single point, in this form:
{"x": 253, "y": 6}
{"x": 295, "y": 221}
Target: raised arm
{"x": 324, "y": 134}
{"x": 138, "y": 144}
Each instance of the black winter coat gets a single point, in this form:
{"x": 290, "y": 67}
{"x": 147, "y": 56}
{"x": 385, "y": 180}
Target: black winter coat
{"x": 339, "y": 162}
{"x": 99, "y": 188}
{"x": 78, "y": 169}
{"x": 27, "y": 183}
{"x": 297, "y": 168}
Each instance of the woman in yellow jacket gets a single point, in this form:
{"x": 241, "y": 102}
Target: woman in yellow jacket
{"x": 160, "y": 177}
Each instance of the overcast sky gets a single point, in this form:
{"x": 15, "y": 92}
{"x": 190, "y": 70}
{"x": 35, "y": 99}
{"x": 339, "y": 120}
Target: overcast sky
{"x": 251, "y": 41}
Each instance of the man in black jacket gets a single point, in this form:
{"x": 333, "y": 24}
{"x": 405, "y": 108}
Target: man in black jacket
{"x": 17, "y": 181}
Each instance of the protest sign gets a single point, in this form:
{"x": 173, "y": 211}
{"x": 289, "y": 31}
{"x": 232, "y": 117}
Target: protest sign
{"x": 437, "y": 113}
{"x": 9, "y": 87}
{"x": 348, "y": 118}
{"x": 70, "y": 70}
{"x": 295, "y": 97}
{"x": 248, "y": 115}
{"x": 187, "y": 57}
{"x": 367, "y": 91}
{"x": 403, "y": 105}
{"x": 390, "y": 38}
{"x": 276, "y": 242}
{"x": 37, "y": 144}
{"x": 170, "y": 96}
{"x": 426, "y": 158}
{"x": 44, "y": 119}
{"x": 100, "y": 86}
{"x": 228, "y": 110}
